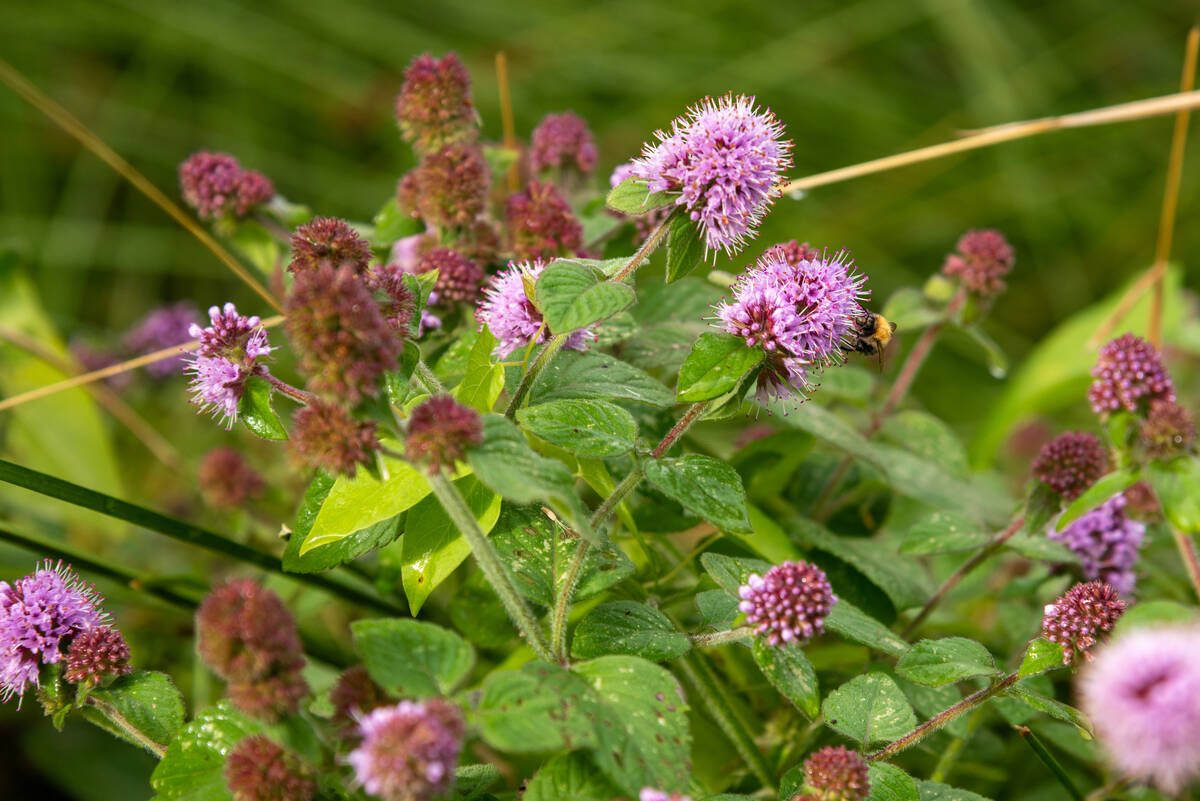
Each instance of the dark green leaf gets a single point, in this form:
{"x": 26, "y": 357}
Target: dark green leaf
{"x": 943, "y": 532}
{"x": 928, "y": 437}
{"x": 572, "y": 375}
{"x": 869, "y": 709}
{"x": 392, "y": 223}
{"x": 194, "y": 766}
{"x": 715, "y": 366}
{"x": 148, "y": 700}
{"x": 633, "y": 197}
{"x": 1040, "y": 656}
{"x": 592, "y": 428}
{"x": 628, "y": 627}
{"x": 890, "y": 783}
{"x": 540, "y": 707}
{"x": 470, "y": 781}
{"x": 1051, "y": 707}
{"x": 1041, "y": 506}
{"x": 398, "y": 383}
{"x": 788, "y": 669}
{"x": 936, "y": 791}
{"x": 410, "y": 658}
{"x": 335, "y": 553}
{"x": 704, "y": 486}
{"x": 570, "y": 777}
{"x": 851, "y": 623}
{"x": 256, "y": 412}
{"x": 685, "y": 247}
{"x": 476, "y": 611}
{"x": 573, "y": 297}
{"x": 945, "y": 661}
{"x": 901, "y": 579}
{"x": 1177, "y": 485}
{"x": 717, "y": 608}
{"x": 1098, "y": 493}
{"x": 1154, "y": 613}
{"x": 731, "y": 572}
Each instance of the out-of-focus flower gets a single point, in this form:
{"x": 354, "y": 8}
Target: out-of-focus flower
{"x": 328, "y": 240}
{"x": 1142, "y": 693}
{"x": 541, "y": 223}
{"x": 511, "y": 316}
{"x": 562, "y": 140}
{"x": 434, "y": 107}
{"x": 1107, "y": 544}
{"x": 1167, "y": 431}
{"x": 409, "y": 751}
{"x": 1129, "y": 375}
{"x": 96, "y": 654}
{"x": 1076, "y": 619}
{"x": 439, "y": 432}
{"x": 326, "y": 437}
{"x": 259, "y": 770}
{"x": 232, "y": 349}
{"x": 450, "y": 186}
{"x": 216, "y": 186}
{"x": 789, "y": 603}
{"x": 724, "y": 161}
{"x": 835, "y": 773}
{"x": 163, "y": 328}
{"x": 353, "y": 696}
{"x": 983, "y": 259}
{"x": 93, "y": 357}
{"x": 459, "y": 278}
{"x": 227, "y": 480}
{"x": 1070, "y": 463}
{"x": 650, "y": 794}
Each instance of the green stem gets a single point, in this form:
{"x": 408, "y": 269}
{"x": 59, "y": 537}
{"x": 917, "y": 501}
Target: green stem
{"x": 114, "y": 716}
{"x": 649, "y": 246}
{"x": 489, "y": 561}
{"x": 719, "y": 637}
{"x": 544, "y": 355}
{"x": 562, "y": 604}
{"x": 716, "y": 699}
{"x": 428, "y": 379}
{"x": 942, "y": 718}
{"x": 176, "y": 529}
{"x": 1047, "y": 758}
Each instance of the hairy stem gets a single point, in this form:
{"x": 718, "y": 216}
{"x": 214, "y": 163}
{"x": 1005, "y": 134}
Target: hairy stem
{"x": 540, "y": 361}
{"x": 716, "y": 700}
{"x": 298, "y": 395}
{"x": 489, "y": 561}
{"x": 942, "y": 718}
{"x": 649, "y": 246}
{"x": 1049, "y": 761}
{"x": 1187, "y": 551}
{"x": 562, "y": 604}
{"x": 428, "y": 379}
{"x": 114, "y": 716}
{"x": 975, "y": 561}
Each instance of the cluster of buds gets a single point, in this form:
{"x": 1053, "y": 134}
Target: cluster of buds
{"x": 835, "y": 773}
{"x": 1070, "y": 463}
{"x": 1083, "y": 613}
{"x": 258, "y": 769}
{"x": 218, "y": 188}
{"x": 1129, "y": 376}
{"x": 440, "y": 431}
{"x": 788, "y": 604}
{"x": 982, "y": 261}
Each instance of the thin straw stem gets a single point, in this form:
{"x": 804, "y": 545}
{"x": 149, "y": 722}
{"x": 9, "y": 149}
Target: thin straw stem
{"x": 506, "y": 117}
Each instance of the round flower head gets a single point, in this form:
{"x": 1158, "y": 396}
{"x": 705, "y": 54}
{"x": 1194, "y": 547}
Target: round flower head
{"x": 983, "y": 259}
{"x": 272, "y": 697}
{"x": 232, "y": 349}
{"x": 163, "y": 328}
{"x": 328, "y": 239}
{"x": 793, "y": 252}
{"x": 451, "y": 186}
{"x": 324, "y": 436}
{"x": 1082, "y": 613}
{"x": 799, "y": 314}
{"x": 835, "y": 773}
{"x": 398, "y": 302}
{"x": 511, "y": 316}
{"x": 650, "y": 794}
{"x": 789, "y": 603}
{"x": 541, "y": 223}
{"x": 459, "y": 278}
{"x": 354, "y": 695}
{"x": 344, "y": 341}
{"x": 38, "y": 614}
{"x": 562, "y": 141}
{"x": 1129, "y": 375}
{"x": 96, "y": 654}
{"x": 1167, "y": 431}
{"x": 434, "y": 107}
{"x": 259, "y": 770}
{"x": 724, "y": 161}
{"x": 409, "y": 751}
{"x": 227, "y": 480}
{"x": 1142, "y": 694}
{"x": 1070, "y": 463}
{"x": 439, "y": 432}
{"x": 1106, "y": 542}
{"x": 216, "y": 186}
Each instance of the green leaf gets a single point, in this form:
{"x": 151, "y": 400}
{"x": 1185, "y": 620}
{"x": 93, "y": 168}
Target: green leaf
{"x": 398, "y": 383}
{"x": 148, "y": 700}
{"x": 433, "y": 547}
{"x": 909, "y": 310}
{"x": 194, "y": 766}
{"x": 1040, "y": 656}
{"x": 470, "y": 781}
{"x": 790, "y": 672}
{"x": 572, "y": 375}
{"x": 716, "y": 365}
{"x": 410, "y": 658}
{"x": 256, "y": 413}
{"x": 705, "y": 486}
{"x": 257, "y": 245}
{"x": 573, "y": 297}
{"x": 943, "y": 532}
{"x": 1041, "y": 506}
{"x": 928, "y": 437}
{"x": 540, "y": 707}
{"x": 628, "y": 627}
{"x": 685, "y": 247}
{"x": 936, "y": 791}
{"x": 717, "y": 608}
{"x": 392, "y": 223}
{"x": 1095, "y": 495}
{"x": 1177, "y": 485}
{"x": 890, "y": 783}
{"x": 336, "y": 553}
{"x": 869, "y": 709}
{"x": 634, "y": 197}
{"x": 1051, "y": 707}
{"x": 570, "y": 777}
{"x": 593, "y": 428}
{"x": 536, "y": 551}
{"x": 507, "y": 465}
{"x": 484, "y": 381}
{"x": 644, "y": 740}
{"x": 945, "y": 661}
{"x": 731, "y": 572}
{"x": 500, "y": 160}
{"x": 1040, "y": 548}
{"x": 901, "y": 579}
{"x": 851, "y": 623}
{"x": 994, "y": 356}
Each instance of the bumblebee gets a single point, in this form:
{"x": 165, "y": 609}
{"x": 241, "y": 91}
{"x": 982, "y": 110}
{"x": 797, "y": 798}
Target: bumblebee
{"x": 871, "y": 335}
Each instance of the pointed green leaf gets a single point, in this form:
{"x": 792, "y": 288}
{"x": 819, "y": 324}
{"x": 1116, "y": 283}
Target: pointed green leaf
{"x": 705, "y": 486}
{"x": 149, "y": 701}
{"x": 685, "y": 247}
{"x": 573, "y": 297}
{"x": 592, "y": 428}
{"x": 788, "y": 669}
{"x": 716, "y": 365}
{"x": 572, "y": 375}
{"x": 256, "y": 412}
{"x": 869, "y": 709}
{"x": 1095, "y": 495}
{"x": 570, "y": 777}
{"x": 890, "y": 783}
{"x": 194, "y": 766}
{"x": 945, "y": 661}
{"x": 410, "y": 658}
{"x": 334, "y": 553}
{"x": 1040, "y": 656}
{"x": 634, "y": 197}
{"x": 628, "y": 627}
{"x": 484, "y": 381}
{"x": 1177, "y": 485}
{"x": 851, "y": 623}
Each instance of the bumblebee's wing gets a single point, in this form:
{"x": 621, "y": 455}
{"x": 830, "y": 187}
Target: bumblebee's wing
{"x": 893, "y": 326}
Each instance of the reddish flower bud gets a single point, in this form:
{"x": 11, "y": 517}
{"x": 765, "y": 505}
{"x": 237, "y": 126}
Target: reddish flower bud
{"x": 835, "y": 773}
{"x": 562, "y": 141}
{"x": 459, "y": 280}
{"x": 271, "y": 698}
{"x": 1167, "y": 431}
{"x": 326, "y": 437}
{"x": 789, "y": 603}
{"x": 984, "y": 258}
{"x": 450, "y": 186}
{"x": 541, "y": 223}
{"x": 244, "y": 632}
{"x": 259, "y": 770}
{"x": 95, "y": 655}
{"x": 439, "y": 432}
{"x": 434, "y": 107}
{"x": 227, "y": 480}
{"x": 1076, "y": 619}
{"x": 354, "y": 695}
{"x": 793, "y": 252}
{"x": 1129, "y": 375}
{"x": 328, "y": 240}
{"x": 1070, "y": 463}
{"x": 216, "y": 186}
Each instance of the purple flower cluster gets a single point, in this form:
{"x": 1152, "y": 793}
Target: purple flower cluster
{"x": 216, "y": 186}
{"x": 1070, "y": 463}
{"x": 229, "y": 353}
{"x": 409, "y": 751}
{"x": 983, "y": 259}
{"x": 439, "y": 432}
{"x": 328, "y": 240}
{"x": 38, "y": 615}
{"x": 1106, "y": 542}
{"x": 799, "y": 314}
{"x": 449, "y": 188}
{"x": 511, "y": 316}
{"x": 562, "y": 140}
{"x": 459, "y": 278}
{"x": 163, "y": 328}
{"x": 1083, "y": 612}
{"x": 1142, "y": 693}
{"x": 788, "y": 604}
{"x": 724, "y": 161}
{"x": 1129, "y": 375}
{"x": 835, "y": 773}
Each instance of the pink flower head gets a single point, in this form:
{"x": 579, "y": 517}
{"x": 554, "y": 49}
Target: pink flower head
{"x": 1129, "y": 375}
{"x": 216, "y": 186}
{"x": 511, "y": 316}
{"x": 165, "y": 327}
{"x": 409, "y": 751}
{"x": 434, "y": 107}
{"x": 1080, "y": 615}
{"x": 724, "y": 161}
{"x": 1142, "y": 693}
{"x": 983, "y": 259}
{"x": 1107, "y": 543}
{"x": 1070, "y": 463}
{"x": 562, "y": 140}
{"x": 789, "y": 603}
{"x": 229, "y": 353}
{"x": 650, "y": 794}
{"x": 835, "y": 773}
